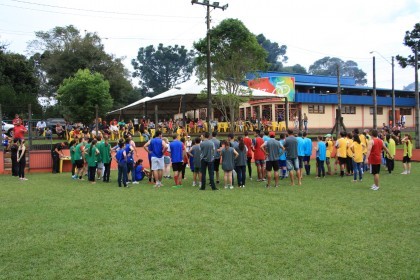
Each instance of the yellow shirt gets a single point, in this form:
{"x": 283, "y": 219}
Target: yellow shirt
{"x": 330, "y": 148}
{"x": 357, "y": 151}
{"x": 349, "y": 150}
{"x": 363, "y": 141}
{"x": 408, "y": 149}
{"x": 342, "y": 147}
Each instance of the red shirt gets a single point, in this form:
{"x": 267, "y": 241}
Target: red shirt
{"x": 258, "y": 153}
{"x": 376, "y": 151}
{"x": 248, "y": 144}
{"x": 19, "y": 131}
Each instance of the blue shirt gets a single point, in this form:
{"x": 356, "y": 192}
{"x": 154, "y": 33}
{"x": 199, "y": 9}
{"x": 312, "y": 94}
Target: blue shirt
{"x": 307, "y": 146}
{"x": 283, "y": 154}
{"x": 322, "y": 151}
{"x": 176, "y": 148}
{"x": 301, "y": 146}
{"x": 156, "y": 147}
{"x": 266, "y": 138}
{"x": 139, "y": 174}
{"x": 129, "y": 153}
{"x": 120, "y": 156}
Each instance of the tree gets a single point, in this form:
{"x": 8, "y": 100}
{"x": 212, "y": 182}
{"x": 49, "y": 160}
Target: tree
{"x": 234, "y": 53}
{"x": 275, "y": 52}
{"x": 162, "y": 68}
{"x": 411, "y": 39}
{"x": 18, "y": 84}
{"x": 328, "y": 66}
{"x": 297, "y": 68}
{"x": 60, "y": 52}
{"x": 78, "y": 96}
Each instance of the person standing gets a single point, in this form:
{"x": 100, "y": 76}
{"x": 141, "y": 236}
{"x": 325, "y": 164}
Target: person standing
{"x": 272, "y": 150}
{"x": 129, "y": 150}
{"x": 40, "y": 127}
{"x": 259, "y": 156}
{"x": 14, "y": 146}
{"x": 156, "y": 147}
{"x": 195, "y": 162}
{"x": 305, "y": 122}
{"x": 216, "y": 162}
{"x": 92, "y": 160}
{"x": 407, "y": 154}
{"x": 390, "y": 158}
{"x": 374, "y": 154}
{"x": 72, "y": 147}
{"x": 240, "y": 162}
{"x": 341, "y": 146}
{"x": 56, "y": 153}
{"x": 19, "y": 129}
{"x": 121, "y": 158}
{"x": 249, "y": 146}
{"x": 321, "y": 155}
{"x": 330, "y": 147}
{"x": 21, "y": 159}
{"x": 207, "y": 159}
{"x": 301, "y": 151}
{"x": 292, "y": 161}
{"x": 105, "y": 150}
{"x": 307, "y": 148}
{"x": 282, "y": 159}
{"x": 176, "y": 148}
{"x": 228, "y": 155}
{"x": 357, "y": 148}
{"x": 78, "y": 156}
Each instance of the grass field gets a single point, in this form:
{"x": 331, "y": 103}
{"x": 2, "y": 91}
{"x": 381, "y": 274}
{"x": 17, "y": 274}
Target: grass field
{"x": 53, "y": 227}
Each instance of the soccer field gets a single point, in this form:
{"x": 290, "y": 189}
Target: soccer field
{"x": 53, "y": 227}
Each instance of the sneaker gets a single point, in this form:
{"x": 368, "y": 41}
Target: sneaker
{"x": 375, "y": 188}
{"x": 264, "y": 180}
{"x": 405, "y": 172}
{"x": 135, "y": 183}
{"x": 267, "y": 186}
{"x": 250, "y": 178}
{"x": 193, "y": 184}
{"x": 259, "y": 180}
{"x": 231, "y": 187}
{"x": 353, "y": 181}
{"x": 226, "y": 187}
{"x": 276, "y": 186}
{"x": 243, "y": 186}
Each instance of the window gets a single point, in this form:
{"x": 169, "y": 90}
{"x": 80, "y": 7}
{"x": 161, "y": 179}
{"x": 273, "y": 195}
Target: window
{"x": 405, "y": 111}
{"x": 348, "y": 110}
{"x": 316, "y": 109}
{"x": 379, "y": 110}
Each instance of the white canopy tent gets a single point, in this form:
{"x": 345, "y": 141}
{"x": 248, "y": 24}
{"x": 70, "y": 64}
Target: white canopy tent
{"x": 181, "y": 98}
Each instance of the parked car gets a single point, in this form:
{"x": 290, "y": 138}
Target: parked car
{"x": 7, "y": 128}
{"x": 52, "y": 122}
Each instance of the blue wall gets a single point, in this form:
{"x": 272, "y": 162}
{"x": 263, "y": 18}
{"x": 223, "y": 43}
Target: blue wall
{"x": 307, "y": 79}
{"x": 352, "y": 100}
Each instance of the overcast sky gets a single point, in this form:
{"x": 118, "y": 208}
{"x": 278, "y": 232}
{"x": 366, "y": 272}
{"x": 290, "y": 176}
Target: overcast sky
{"x": 310, "y": 29}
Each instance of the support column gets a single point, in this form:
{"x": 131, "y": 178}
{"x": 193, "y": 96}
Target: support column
{"x": 156, "y": 117}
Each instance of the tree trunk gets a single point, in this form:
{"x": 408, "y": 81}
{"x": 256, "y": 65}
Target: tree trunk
{"x": 232, "y": 118}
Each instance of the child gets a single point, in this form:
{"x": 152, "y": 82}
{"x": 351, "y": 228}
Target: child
{"x": 194, "y": 153}
{"x": 282, "y": 159}
{"x": 48, "y": 133}
{"x": 321, "y": 155}
{"x": 139, "y": 170}
{"x": 408, "y": 152}
{"x": 228, "y": 155}
{"x": 357, "y": 148}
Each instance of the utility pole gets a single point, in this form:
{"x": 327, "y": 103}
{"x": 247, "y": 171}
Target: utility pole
{"x": 416, "y": 92}
{"x": 208, "y": 5}
{"x": 375, "y": 105}
{"x": 393, "y": 94}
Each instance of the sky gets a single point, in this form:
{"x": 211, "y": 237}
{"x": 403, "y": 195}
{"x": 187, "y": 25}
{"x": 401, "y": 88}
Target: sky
{"x": 311, "y": 30}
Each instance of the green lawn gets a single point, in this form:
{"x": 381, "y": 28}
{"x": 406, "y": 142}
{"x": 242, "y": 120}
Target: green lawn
{"x": 53, "y": 227}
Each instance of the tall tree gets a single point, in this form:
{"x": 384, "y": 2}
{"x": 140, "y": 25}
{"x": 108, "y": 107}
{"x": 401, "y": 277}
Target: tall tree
{"x": 411, "y": 39}
{"x": 328, "y": 66}
{"x": 297, "y": 68}
{"x": 276, "y": 54}
{"x": 18, "y": 84}
{"x": 234, "y": 53}
{"x": 60, "y": 52}
{"x": 78, "y": 95}
{"x": 161, "y": 68}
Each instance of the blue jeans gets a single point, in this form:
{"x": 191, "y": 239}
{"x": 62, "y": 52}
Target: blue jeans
{"x": 122, "y": 174}
{"x": 241, "y": 174}
{"x": 321, "y": 167}
{"x": 204, "y": 166}
{"x": 357, "y": 168}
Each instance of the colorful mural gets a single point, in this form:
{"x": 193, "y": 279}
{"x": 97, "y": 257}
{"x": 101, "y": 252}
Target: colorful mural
{"x": 280, "y": 86}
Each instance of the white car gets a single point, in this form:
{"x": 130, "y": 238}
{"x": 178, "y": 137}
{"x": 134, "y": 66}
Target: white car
{"x": 7, "y": 128}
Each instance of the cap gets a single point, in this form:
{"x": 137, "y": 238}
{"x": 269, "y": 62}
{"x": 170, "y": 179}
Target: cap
{"x": 327, "y": 135}
{"x": 272, "y": 133}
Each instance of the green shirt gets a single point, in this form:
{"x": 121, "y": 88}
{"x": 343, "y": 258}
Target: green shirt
{"x": 78, "y": 151}
{"x": 105, "y": 150}
{"x": 391, "y": 147}
{"x": 92, "y": 156}
{"x": 72, "y": 152}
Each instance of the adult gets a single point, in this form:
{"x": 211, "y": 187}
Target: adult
{"x": 216, "y": 162}
{"x": 305, "y": 122}
{"x": 40, "y": 127}
{"x": 207, "y": 161}
{"x": 321, "y": 155}
{"x": 21, "y": 159}
{"x": 403, "y": 118}
{"x": 392, "y": 149}
{"x": 79, "y": 159}
{"x": 301, "y": 151}
{"x": 177, "y": 152}
{"x": 292, "y": 161}
{"x": 14, "y": 146}
{"x": 92, "y": 160}
{"x": 156, "y": 147}
{"x": 56, "y": 152}
{"x": 374, "y": 157}
{"x": 357, "y": 148}
{"x": 105, "y": 150}
{"x": 121, "y": 157}
{"x": 272, "y": 150}
{"x": 407, "y": 154}
{"x": 307, "y": 147}
{"x": 59, "y": 130}
{"x": 16, "y": 120}
{"x": 341, "y": 146}
{"x": 72, "y": 148}
{"x": 330, "y": 148}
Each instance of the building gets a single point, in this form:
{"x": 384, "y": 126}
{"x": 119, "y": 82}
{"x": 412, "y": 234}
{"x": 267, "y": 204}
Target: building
{"x": 317, "y": 97}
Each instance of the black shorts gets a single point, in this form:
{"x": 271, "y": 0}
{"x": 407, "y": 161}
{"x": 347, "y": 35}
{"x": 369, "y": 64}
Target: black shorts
{"x": 342, "y": 160}
{"x": 307, "y": 158}
{"x": 300, "y": 158}
{"x": 406, "y": 159}
{"x": 216, "y": 164}
{"x": 272, "y": 165}
{"x": 177, "y": 166}
{"x": 79, "y": 163}
{"x": 375, "y": 168}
